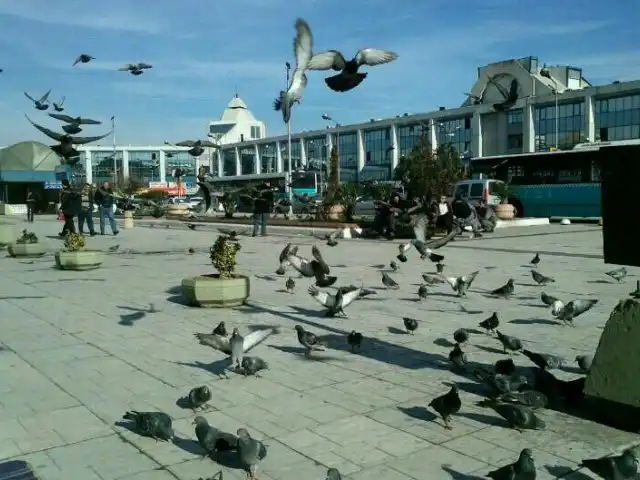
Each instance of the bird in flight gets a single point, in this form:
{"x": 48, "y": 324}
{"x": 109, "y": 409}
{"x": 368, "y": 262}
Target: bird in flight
{"x": 83, "y": 58}
{"x": 41, "y": 104}
{"x": 135, "y": 68}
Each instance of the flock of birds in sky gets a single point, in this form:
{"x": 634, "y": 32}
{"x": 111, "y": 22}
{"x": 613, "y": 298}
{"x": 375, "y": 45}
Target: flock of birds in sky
{"x": 514, "y": 394}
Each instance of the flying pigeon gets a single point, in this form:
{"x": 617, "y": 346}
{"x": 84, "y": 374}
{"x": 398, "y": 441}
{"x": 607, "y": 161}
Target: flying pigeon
{"x": 410, "y": 324}
{"x": 535, "y": 260}
{"x": 572, "y": 310}
{"x": 135, "y": 68}
{"x": 157, "y": 425}
{"x": 432, "y": 279}
{"x": 290, "y": 284}
{"x": 226, "y": 345}
{"x": 584, "y": 362}
{"x": 74, "y": 120}
{"x": 58, "y": 106}
{"x": 354, "y": 339}
{"x": 460, "y": 285}
{"x": 541, "y": 279}
{"x": 543, "y": 360}
{"x": 83, "y": 58}
{"x": 510, "y": 96}
{"x": 303, "y": 51}
{"x": 308, "y": 340}
{"x": 289, "y": 249}
{"x": 618, "y": 467}
{"x": 461, "y": 336}
{"x": 317, "y": 267}
{"x": 491, "y": 323}
{"x": 335, "y": 304}
{"x": 523, "y": 469}
{"x": 349, "y": 76}
{"x": 221, "y": 329}
{"x": 422, "y": 292}
{"x": 196, "y": 147}
{"x": 253, "y": 365}
{"x": 506, "y": 290}
{"x": 509, "y": 343}
{"x": 618, "y": 275}
{"x": 198, "y": 397}
{"x": 39, "y": 104}
{"x": 213, "y": 440}
{"x": 389, "y": 282}
{"x": 251, "y": 452}
{"x": 458, "y": 357}
{"x": 447, "y": 405}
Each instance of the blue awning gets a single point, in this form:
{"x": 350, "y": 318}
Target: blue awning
{"x": 19, "y": 176}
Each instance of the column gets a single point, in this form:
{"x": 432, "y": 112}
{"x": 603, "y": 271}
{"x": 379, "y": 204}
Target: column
{"x": 258, "y": 162}
{"x": 329, "y": 144}
{"x": 303, "y": 153}
{"x": 279, "y": 162}
{"x": 219, "y": 163}
{"x": 433, "y": 133}
{"x": 162, "y": 166}
{"x": 88, "y": 166}
{"x": 476, "y": 135}
{"x": 125, "y": 164}
{"x": 238, "y": 162}
{"x": 395, "y": 147}
{"x": 590, "y": 118}
{"x": 360, "y": 157}
{"x": 528, "y": 128}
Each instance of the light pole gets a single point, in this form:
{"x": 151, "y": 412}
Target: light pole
{"x": 115, "y": 161}
{"x": 329, "y": 118}
{"x": 290, "y": 213}
{"x": 544, "y": 72}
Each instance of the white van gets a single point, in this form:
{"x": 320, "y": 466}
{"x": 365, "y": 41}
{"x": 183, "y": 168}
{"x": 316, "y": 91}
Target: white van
{"x": 479, "y": 189}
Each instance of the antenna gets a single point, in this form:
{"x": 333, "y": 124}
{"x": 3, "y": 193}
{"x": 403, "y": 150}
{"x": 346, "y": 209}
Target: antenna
{"x": 236, "y": 90}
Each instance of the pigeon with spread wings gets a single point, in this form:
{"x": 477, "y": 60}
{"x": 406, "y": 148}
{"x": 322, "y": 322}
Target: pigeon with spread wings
{"x": 75, "y": 120}
{"x": 83, "y": 58}
{"x": 58, "y": 106}
{"x": 317, "y": 267}
{"x": 66, "y": 139}
{"x": 223, "y": 344}
{"x": 510, "y": 96}
{"x": 461, "y": 284}
{"x": 349, "y": 76}
{"x": 41, "y": 104}
{"x": 135, "y": 68}
{"x": 344, "y": 297}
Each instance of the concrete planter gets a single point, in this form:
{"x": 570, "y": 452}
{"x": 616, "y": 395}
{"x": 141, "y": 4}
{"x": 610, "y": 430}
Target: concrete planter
{"x": 505, "y": 211}
{"x": 80, "y": 260}
{"x": 336, "y": 212}
{"x": 7, "y": 234}
{"x": 27, "y": 250}
{"x": 211, "y": 291}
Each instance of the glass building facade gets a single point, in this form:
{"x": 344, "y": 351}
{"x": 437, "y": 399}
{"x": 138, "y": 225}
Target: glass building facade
{"x": 144, "y": 167}
{"x": 78, "y": 172}
{"x": 456, "y": 133}
{"x": 228, "y": 162}
{"x": 296, "y": 161}
{"x": 571, "y": 126}
{"x": 268, "y": 158}
{"x": 248, "y": 160}
{"x": 347, "y": 144}
{"x": 378, "y": 154}
{"x": 180, "y": 160}
{"x": 316, "y": 150}
{"x": 102, "y": 166}
{"x": 618, "y": 118}
{"x": 408, "y": 136}
{"x": 515, "y": 133}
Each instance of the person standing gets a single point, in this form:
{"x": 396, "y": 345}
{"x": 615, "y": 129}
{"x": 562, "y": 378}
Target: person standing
{"x": 105, "y": 200}
{"x": 445, "y": 215}
{"x": 31, "y": 205}
{"x": 262, "y": 207}
{"x": 86, "y": 211}
{"x": 70, "y": 204}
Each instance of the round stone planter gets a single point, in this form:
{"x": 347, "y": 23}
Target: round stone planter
{"x": 211, "y": 291}
{"x": 80, "y": 260}
{"x": 336, "y": 212}
{"x": 7, "y": 234}
{"x": 27, "y": 250}
{"x": 505, "y": 211}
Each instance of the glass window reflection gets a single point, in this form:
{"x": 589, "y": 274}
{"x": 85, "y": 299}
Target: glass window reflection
{"x": 456, "y": 133}
{"x": 378, "y": 153}
{"x": 180, "y": 160}
{"x": 102, "y": 166}
{"x": 348, "y": 154}
{"x": 571, "y": 124}
{"x": 617, "y": 118}
{"x": 268, "y": 158}
{"x": 144, "y": 167}
{"x": 316, "y": 150}
{"x": 229, "y": 162}
{"x": 248, "y": 160}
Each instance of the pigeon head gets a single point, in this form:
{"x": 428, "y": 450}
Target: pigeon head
{"x": 204, "y": 391}
{"x": 235, "y": 332}
{"x": 242, "y": 433}
{"x": 526, "y": 453}
{"x": 199, "y": 420}
{"x": 511, "y": 281}
{"x": 298, "y": 328}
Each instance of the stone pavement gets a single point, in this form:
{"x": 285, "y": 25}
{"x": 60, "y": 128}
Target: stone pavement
{"x": 78, "y": 350}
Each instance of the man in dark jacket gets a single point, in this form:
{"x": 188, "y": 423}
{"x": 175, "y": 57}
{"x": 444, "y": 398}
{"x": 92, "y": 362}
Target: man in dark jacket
{"x": 31, "y": 205}
{"x": 86, "y": 212}
{"x": 70, "y": 204}
{"x": 262, "y": 207}
{"x": 105, "y": 200}
{"x": 388, "y": 211}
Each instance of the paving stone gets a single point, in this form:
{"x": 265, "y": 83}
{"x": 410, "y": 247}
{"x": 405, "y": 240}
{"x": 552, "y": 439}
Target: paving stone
{"x": 69, "y": 368}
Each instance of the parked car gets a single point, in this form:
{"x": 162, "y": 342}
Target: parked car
{"x": 479, "y": 189}
{"x": 365, "y": 206}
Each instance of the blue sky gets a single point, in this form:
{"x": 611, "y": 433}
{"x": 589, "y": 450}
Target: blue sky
{"x": 202, "y": 51}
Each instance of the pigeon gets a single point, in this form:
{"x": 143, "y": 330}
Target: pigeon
{"x": 212, "y": 439}
{"x": 403, "y": 248}
{"x": 191, "y": 250}
{"x": 333, "y": 474}
{"x": 529, "y": 398}
{"x": 83, "y": 58}
{"x": 335, "y": 304}
{"x": 114, "y": 248}
{"x": 191, "y": 226}
{"x": 523, "y": 469}
{"x": 349, "y": 77}
{"x": 157, "y": 425}
{"x": 331, "y": 238}
{"x": 440, "y": 268}
{"x": 543, "y": 360}
{"x": 636, "y": 292}
{"x": 505, "y": 366}
{"x": 232, "y": 233}
{"x": 58, "y": 106}
{"x": 618, "y": 467}
{"x": 535, "y": 260}
{"x": 251, "y": 452}
{"x": 458, "y": 357}
{"x": 509, "y": 343}
{"x": 422, "y": 292}
{"x": 461, "y": 336}
{"x": 308, "y": 340}
{"x": 541, "y": 279}
{"x": 389, "y": 282}
{"x": 135, "y": 68}
{"x": 432, "y": 279}
{"x": 289, "y": 249}
{"x": 491, "y": 323}
{"x": 510, "y": 96}
{"x": 460, "y": 285}
{"x": 506, "y": 290}
{"x": 548, "y": 300}
{"x": 355, "y": 340}
{"x": 39, "y": 104}
{"x": 410, "y": 324}
{"x": 584, "y": 362}
{"x": 447, "y": 405}
{"x": 424, "y": 248}
{"x": 252, "y": 365}
{"x": 290, "y": 284}
{"x": 221, "y": 329}
{"x": 519, "y": 417}
{"x": 394, "y": 266}
{"x": 573, "y": 309}
{"x": 317, "y": 267}
{"x": 236, "y": 345}
{"x": 199, "y": 397}
{"x": 500, "y": 383}
{"x": 72, "y": 129}
{"x": 618, "y": 275}
{"x": 303, "y": 51}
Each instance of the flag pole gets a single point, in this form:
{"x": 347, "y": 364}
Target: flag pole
{"x": 115, "y": 161}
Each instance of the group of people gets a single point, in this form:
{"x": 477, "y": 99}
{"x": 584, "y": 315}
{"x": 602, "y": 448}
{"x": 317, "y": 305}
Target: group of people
{"x": 79, "y": 203}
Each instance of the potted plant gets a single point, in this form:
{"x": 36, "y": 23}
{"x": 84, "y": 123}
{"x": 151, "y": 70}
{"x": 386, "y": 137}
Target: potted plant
{"x": 348, "y": 194}
{"x": 504, "y": 211}
{"x": 223, "y": 289}
{"x": 74, "y": 256}
{"x": 27, "y": 246}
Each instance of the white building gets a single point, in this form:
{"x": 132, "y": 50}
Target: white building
{"x": 237, "y": 124}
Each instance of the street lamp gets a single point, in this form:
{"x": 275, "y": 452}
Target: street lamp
{"x": 328, "y": 118}
{"x": 287, "y": 67}
{"x": 544, "y": 72}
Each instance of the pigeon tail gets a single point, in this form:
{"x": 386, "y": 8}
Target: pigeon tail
{"x": 344, "y": 82}
{"x": 277, "y": 104}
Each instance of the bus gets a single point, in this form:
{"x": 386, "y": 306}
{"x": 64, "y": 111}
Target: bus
{"x": 303, "y": 182}
{"x": 562, "y": 183}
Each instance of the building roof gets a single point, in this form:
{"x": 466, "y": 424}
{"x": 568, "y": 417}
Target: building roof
{"x": 28, "y": 156}
{"x": 236, "y": 112}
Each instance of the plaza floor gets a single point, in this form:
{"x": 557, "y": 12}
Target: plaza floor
{"x": 78, "y": 349}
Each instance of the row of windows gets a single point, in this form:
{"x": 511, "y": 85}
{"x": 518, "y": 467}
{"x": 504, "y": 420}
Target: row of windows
{"x": 619, "y": 118}
{"x": 564, "y": 110}
{"x": 628, "y": 102}
{"x": 514, "y": 116}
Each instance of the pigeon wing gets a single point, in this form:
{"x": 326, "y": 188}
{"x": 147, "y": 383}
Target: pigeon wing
{"x": 373, "y": 57}
{"x": 315, "y": 251}
{"x": 441, "y": 242}
{"x": 420, "y": 228}
{"x": 500, "y": 88}
{"x": 29, "y": 97}
{"x": 49, "y": 133}
{"x": 323, "y": 298}
{"x": 144, "y": 66}
{"x": 62, "y": 117}
{"x": 330, "y": 60}
{"x": 468, "y": 279}
{"x": 298, "y": 84}
{"x": 83, "y": 140}
{"x": 349, "y": 297}
{"x": 126, "y": 67}
{"x": 44, "y": 97}
{"x": 77, "y": 61}
{"x": 208, "y": 144}
{"x": 89, "y": 121}
{"x": 61, "y": 102}
{"x": 513, "y": 90}
{"x": 186, "y": 143}
{"x": 215, "y": 341}
{"x": 303, "y": 45}
{"x": 285, "y": 252}
{"x": 452, "y": 281}
{"x": 256, "y": 338}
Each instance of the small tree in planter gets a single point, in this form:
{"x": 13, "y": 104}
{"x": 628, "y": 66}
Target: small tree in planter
{"x": 27, "y": 245}
{"x": 348, "y": 194}
{"x": 229, "y": 203}
{"x": 223, "y": 289}
{"x": 74, "y": 256}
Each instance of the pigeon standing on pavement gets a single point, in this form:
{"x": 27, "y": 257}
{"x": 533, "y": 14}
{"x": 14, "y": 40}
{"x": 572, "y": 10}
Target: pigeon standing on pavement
{"x": 447, "y": 405}
{"x": 523, "y": 469}
{"x": 394, "y": 266}
{"x": 290, "y": 285}
{"x": 431, "y": 279}
{"x": 618, "y": 275}
{"x": 506, "y": 290}
{"x": 221, "y": 329}
{"x": 541, "y": 279}
{"x": 510, "y": 344}
{"x": 618, "y": 467}
{"x": 236, "y": 342}
{"x": 410, "y": 324}
{"x": 543, "y": 360}
{"x": 157, "y": 425}
{"x": 422, "y": 292}
{"x": 461, "y": 336}
{"x": 251, "y": 452}
{"x": 573, "y": 309}
{"x": 535, "y": 260}
{"x": 519, "y": 417}
{"x": 251, "y": 365}
{"x": 199, "y": 397}
{"x": 440, "y": 268}
{"x": 389, "y": 282}
{"x": 213, "y": 440}
{"x": 308, "y": 340}
{"x": 458, "y": 357}
{"x": 491, "y": 323}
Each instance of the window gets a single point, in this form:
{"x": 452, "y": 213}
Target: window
{"x": 144, "y": 167}
{"x": 514, "y": 143}
{"x": 494, "y": 186}
{"x": 564, "y": 133}
{"x": 255, "y": 133}
{"x": 514, "y": 116}
{"x": 618, "y": 118}
{"x": 454, "y": 133}
{"x": 476, "y": 190}
{"x": 462, "y": 189}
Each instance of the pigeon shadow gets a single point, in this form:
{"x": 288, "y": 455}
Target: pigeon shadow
{"x": 128, "y": 319}
{"x": 178, "y": 300}
{"x": 396, "y": 331}
{"x": 308, "y": 312}
{"x": 54, "y": 237}
{"x": 535, "y": 305}
{"x": 456, "y": 475}
{"x": 281, "y": 290}
{"x": 71, "y": 280}
{"x": 529, "y": 285}
{"x": 533, "y": 321}
{"x": 127, "y": 425}
{"x": 133, "y": 309}
{"x": 475, "y": 331}
{"x": 174, "y": 290}
{"x": 525, "y": 297}
{"x": 218, "y": 367}
{"x": 188, "y": 445}
{"x": 300, "y": 353}
{"x": 22, "y": 297}
{"x": 490, "y": 349}
{"x": 378, "y": 266}
{"x": 482, "y": 418}
{"x": 601, "y": 282}
{"x": 413, "y": 299}
{"x": 184, "y": 403}
{"x": 443, "y": 342}
{"x": 559, "y": 471}
{"x": 419, "y": 413}
{"x": 463, "y": 309}
{"x": 342, "y": 265}
{"x": 268, "y": 278}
